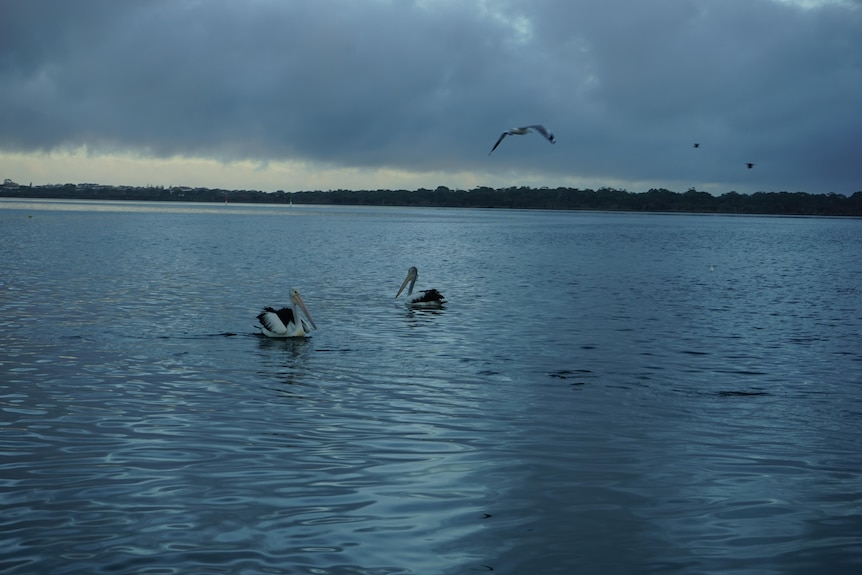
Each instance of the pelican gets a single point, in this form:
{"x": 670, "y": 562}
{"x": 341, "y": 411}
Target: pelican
{"x": 286, "y": 322}
{"x": 430, "y": 298}
{"x": 525, "y": 130}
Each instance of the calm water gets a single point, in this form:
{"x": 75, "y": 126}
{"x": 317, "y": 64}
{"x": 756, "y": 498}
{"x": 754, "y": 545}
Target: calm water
{"x": 605, "y": 393}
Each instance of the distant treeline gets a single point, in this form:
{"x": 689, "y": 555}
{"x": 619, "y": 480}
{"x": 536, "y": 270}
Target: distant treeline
{"x": 605, "y": 199}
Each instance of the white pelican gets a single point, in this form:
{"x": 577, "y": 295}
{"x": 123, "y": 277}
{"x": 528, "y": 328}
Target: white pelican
{"x": 286, "y": 322}
{"x": 525, "y": 130}
{"x": 430, "y": 298}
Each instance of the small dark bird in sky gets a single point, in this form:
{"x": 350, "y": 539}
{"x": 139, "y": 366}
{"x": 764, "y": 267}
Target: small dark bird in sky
{"x": 750, "y": 165}
{"x": 697, "y": 144}
{"x": 525, "y": 130}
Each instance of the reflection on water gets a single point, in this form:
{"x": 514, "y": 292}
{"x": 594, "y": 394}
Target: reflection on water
{"x": 604, "y": 393}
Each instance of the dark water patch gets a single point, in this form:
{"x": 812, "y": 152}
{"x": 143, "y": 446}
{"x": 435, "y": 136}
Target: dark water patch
{"x": 742, "y": 393}
{"x": 575, "y": 378}
{"x": 569, "y": 373}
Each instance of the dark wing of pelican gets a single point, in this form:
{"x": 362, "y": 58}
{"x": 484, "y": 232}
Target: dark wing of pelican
{"x": 429, "y": 296}
{"x": 503, "y": 135}
{"x": 275, "y": 320}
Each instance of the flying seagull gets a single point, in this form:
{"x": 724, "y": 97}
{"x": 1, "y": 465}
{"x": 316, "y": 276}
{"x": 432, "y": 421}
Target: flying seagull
{"x": 525, "y": 130}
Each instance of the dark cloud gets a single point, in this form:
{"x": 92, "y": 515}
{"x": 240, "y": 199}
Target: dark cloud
{"x": 627, "y": 86}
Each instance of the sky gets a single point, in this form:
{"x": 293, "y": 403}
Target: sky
{"x": 403, "y": 94}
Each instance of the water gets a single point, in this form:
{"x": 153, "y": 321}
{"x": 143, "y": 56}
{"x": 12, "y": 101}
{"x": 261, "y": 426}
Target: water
{"x": 604, "y": 393}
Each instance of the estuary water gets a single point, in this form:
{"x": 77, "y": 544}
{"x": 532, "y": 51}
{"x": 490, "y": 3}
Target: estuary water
{"x": 607, "y": 393}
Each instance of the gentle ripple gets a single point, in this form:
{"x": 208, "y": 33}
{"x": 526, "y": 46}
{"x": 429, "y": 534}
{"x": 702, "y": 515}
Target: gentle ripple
{"x": 605, "y": 393}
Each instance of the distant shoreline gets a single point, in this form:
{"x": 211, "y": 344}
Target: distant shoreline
{"x": 603, "y": 199}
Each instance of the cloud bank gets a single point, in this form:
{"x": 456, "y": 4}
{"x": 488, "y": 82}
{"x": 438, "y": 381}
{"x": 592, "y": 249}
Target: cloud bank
{"x": 426, "y": 87}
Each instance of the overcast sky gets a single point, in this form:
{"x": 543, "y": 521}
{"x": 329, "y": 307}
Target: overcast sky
{"x": 366, "y": 94}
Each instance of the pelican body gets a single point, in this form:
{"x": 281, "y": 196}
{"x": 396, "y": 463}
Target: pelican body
{"x": 525, "y": 130}
{"x": 286, "y": 322}
{"x": 430, "y": 298}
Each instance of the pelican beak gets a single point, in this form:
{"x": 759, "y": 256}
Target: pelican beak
{"x": 301, "y": 305}
{"x": 410, "y": 279}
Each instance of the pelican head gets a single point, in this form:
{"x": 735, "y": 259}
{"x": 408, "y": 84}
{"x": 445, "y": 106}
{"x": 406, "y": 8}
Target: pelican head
{"x": 412, "y": 275}
{"x": 298, "y": 304}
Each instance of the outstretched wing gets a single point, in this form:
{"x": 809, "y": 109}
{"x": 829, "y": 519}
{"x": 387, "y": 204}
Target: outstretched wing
{"x": 542, "y": 130}
{"x": 503, "y": 135}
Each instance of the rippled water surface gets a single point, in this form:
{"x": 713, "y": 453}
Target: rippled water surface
{"x": 604, "y": 393}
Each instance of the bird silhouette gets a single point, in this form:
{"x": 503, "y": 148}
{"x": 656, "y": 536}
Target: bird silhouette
{"x": 525, "y": 130}
{"x": 750, "y": 165}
